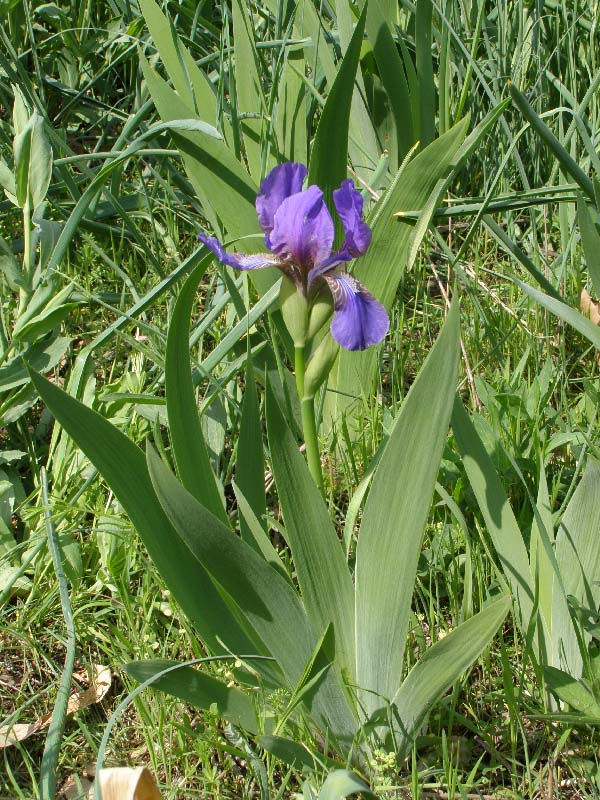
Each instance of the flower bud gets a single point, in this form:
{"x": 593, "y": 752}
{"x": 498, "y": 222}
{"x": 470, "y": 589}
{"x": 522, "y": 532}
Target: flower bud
{"x": 294, "y": 309}
{"x": 320, "y": 311}
{"x": 320, "y": 366}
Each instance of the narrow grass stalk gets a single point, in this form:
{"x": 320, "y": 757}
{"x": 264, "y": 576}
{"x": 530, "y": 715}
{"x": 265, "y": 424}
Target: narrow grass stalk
{"x": 57, "y": 723}
{"x": 309, "y": 425}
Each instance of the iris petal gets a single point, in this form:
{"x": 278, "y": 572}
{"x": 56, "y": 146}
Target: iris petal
{"x": 359, "y": 320}
{"x": 281, "y": 182}
{"x": 349, "y": 205}
{"x": 239, "y": 260}
{"x": 303, "y": 229}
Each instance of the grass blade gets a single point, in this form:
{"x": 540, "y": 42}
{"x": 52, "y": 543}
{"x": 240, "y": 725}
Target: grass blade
{"x": 567, "y": 162}
{"x": 561, "y": 310}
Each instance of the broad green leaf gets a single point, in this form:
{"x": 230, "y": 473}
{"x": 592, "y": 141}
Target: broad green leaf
{"x": 188, "y": 80}
{"x": 220, "y": 180}
{"x": 572, "y": 691}
{"x": 391, "y": 70}
{"x": 288, "y": 751}
{"x": 263, "y": 597}
{"x": 291, "y": 121}
{"x": 70, "y": 551}
{"x": 187, "y": 440}
{"x": 190, "y": 83}
{"x": 21, "y": 110}
{"x": 198, "y": 689}
{"x": 561, "y": 310}
{"x": 363, "y": 145}
{"x": 40, "y": 163}
{"x": 382, "y": 267}
{"x": 123, "y": 466}
{"x": 42, "y": 356}
{"x": 33, "y": 162}
{"x": 590, "y": 239}
{"x": 222, "y": 184}
{"x": 578, "y": 557}
{"x": 7, "y": 181}
{"x": 394, "y": 520}
{"x": 329, "y": 153}
{"x": 319, "y": 57}
{"x": 541, "y": 565}
{"x": 321, "y": 567}
{"x": 250, "y": 100}
{"x": 427, "y": 93}
{"x": 497, "y": 513}
{"x": 250, "y": 463}
{"x": 47, "y": 320}
{"x": 256, "y": 535}
{"x": 342, "y": 783}
{"x": 22, "y": 153}
{"x": 441, "y": 665}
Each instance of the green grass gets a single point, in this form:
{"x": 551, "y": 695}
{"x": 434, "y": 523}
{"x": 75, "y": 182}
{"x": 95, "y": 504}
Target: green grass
{"x": 533, "y": 379}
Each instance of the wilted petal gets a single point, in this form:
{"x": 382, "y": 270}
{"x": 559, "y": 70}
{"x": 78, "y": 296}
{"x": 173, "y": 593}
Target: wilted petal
{"x": 359, "y": 320}
{"x": 281, "y": 182}
{"x": 349, "y": 205}
{"x": 303, "y": 229}
{"x": 239, "y": 260}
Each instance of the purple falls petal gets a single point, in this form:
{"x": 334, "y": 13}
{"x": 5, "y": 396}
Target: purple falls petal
{"x": 359, "y": 320}
{"x": 349, "y": 205}
{"x": 303, "y": 229}
{"x": 239, "y": 260}
{"x": 281, "y": 182}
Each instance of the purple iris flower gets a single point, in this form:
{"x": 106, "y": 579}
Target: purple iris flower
{"x": 299, "y": 232}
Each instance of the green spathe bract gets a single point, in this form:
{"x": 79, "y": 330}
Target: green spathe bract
{"x": 338, "y": 649}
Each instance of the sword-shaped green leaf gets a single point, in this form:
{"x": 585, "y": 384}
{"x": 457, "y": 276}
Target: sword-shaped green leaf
{"x": 394, "y": 518}
{"x": 321, "y": 567}
{"x": 187, "y": 439}
{"x": 123, "y": 466}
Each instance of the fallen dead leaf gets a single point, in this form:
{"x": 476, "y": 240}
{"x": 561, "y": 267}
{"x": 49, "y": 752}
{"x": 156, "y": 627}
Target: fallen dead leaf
{"x": 76, "y": 788}
{"x": 125, "y": 783}
{"x": 99, "y": 686}
{"x": 589, "y": 307}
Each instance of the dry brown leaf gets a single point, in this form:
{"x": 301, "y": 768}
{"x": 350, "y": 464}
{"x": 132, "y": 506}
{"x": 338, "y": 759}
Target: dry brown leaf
{"x": 125, "y": 783}
{"x": 9, "y": 734}
{"x": 589, "y": 307}
{"x": 76, "y": 788}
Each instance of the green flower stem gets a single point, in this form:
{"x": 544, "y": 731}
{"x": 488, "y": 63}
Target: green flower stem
{"x": 309, "y": 425}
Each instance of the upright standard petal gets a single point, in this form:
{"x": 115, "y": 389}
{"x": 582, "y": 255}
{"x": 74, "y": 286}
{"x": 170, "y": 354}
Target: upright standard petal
{"x": 349, "y": 205}
{"x": 359, "y": 320}
{"x": 303, "y": 229}
{"x": 239, "y": 260}
{"x": 281, "y": 182}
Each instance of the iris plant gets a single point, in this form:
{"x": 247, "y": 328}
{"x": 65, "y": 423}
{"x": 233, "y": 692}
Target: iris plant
{"x": 299, "y": 234}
